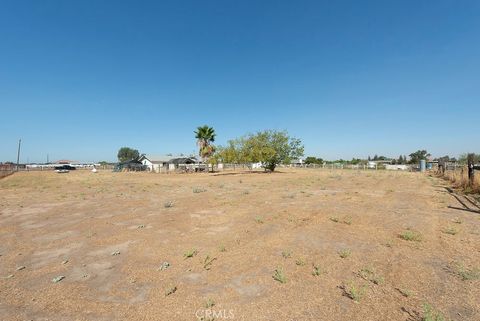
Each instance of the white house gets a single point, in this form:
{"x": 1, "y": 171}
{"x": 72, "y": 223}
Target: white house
{"x": 398, "y": 167}
{"x": 257, "y": 165}
{"x": 167, "y": 162}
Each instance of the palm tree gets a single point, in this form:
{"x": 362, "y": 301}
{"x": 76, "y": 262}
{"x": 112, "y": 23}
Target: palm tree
{"x": 205, "y": 136}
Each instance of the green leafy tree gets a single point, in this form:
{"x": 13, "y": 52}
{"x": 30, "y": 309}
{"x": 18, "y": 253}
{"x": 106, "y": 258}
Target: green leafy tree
{"x": 418, "y": 155}
{"x": 355, "y": 161}
{"x": 232, "y": 153}
{"x": 205, "y": 136}
{"x": 271, "y": 148}
{"x": 313, "y": 160}
{"x": 127, "y": 153}
{"x": 268, "y": 147}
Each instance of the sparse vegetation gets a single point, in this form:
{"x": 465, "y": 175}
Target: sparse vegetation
{"x": 168, "y": 204}
{"x": 344, "y": 253}
{"x": 410, "y": 235}
{"x": 354, "y": 292}
{"x": 366, "y": 272}
{"x": 207, "y": 263}
{"x": 210, "y": 303}
{"x": 286, "y": 254}
{"x": 306, "y": 251}
{"x": 316, "y": 270}
{"x": 347, "y": 220}
{"x": 190, "y": 253}
{"x": 467, "y": 274}
{"x": 369, "y": 274}
{"x": 406, "y": 293}
{"x": 199, "y": 190}
{"x": 377, "y": 279}
{"x": 450, "y": 230}
{"x": 430, "y": 314}
{"x": 279, "y": 276}
{"x": 170, "y": 290}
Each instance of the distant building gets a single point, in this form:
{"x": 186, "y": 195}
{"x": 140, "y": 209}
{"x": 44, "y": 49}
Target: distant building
{"x": 397, "y": 167}
{"x": 256, "y": 165}
{"x": 297, "y": 162}
{"x": 65, "y": 162}
{"x": 166, "y": 162}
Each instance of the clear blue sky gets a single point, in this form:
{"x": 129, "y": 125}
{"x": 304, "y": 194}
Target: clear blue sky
{"x": 79, "y": 79}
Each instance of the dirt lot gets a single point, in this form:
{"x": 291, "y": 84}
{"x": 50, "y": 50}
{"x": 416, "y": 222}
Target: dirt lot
{"x": 334, "y": 237}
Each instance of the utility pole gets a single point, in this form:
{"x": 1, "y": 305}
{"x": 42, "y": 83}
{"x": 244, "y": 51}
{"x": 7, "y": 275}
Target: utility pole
{"x": 18, "y": 152}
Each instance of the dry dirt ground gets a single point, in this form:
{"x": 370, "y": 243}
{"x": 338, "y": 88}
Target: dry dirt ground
{"x": 335, "y": 238}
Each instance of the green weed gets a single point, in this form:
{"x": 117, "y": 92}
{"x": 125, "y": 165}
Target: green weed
{"x": 279, "y": 276}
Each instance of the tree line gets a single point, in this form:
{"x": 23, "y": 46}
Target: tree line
{"x": 272, "y": 147}
{"x": 268, "y": 147}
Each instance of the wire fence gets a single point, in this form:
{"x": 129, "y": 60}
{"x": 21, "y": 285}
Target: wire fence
{"x": 6, "y": 170}
{"x": 458, "y": 175}
{"x": 5, "y": 173}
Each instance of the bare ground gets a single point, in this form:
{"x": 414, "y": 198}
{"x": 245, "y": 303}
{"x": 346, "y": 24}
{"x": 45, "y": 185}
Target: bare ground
{"x": 108, "y": 234}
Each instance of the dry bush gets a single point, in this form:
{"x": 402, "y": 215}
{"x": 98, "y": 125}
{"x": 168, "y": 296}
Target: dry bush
{"x": 459, "y": 179}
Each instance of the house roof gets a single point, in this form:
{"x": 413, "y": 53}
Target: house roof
{"x": 160, "y": 159}
{"x": 65, "y": 161}
{"x": 183, "y": 160}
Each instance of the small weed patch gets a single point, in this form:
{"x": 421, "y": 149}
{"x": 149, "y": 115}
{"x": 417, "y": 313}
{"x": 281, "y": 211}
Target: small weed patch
{"x": 430, "y": 314}
{"x": 354, "y": 291}
{"x": 467, "y": 274}
{"x": 279, "y": 276}
{"x": 259, "y": 220}
{"x": 286, "y": 254}
{"x": 369, "y": 274}
{"x": 207, "y": 263}
{"x": 316, "y": 270}
{"x": 190, "y": 253}
{"x": 406, "y": 293}
{"x": 410, "y": 235}
{"x": 170, "y": 290}
{"x": 450, "y": 231}
{"x": 344, "y": 253}
{"x": 347, "y": 220}
{"x": 210, "y": 303}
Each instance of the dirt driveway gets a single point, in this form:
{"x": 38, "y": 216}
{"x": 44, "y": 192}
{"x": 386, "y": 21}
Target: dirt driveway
{"x": 294, "y": 245}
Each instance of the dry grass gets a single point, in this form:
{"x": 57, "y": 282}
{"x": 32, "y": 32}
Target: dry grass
{"x": 459, "y": 179}
{"x": 219, "y": 243}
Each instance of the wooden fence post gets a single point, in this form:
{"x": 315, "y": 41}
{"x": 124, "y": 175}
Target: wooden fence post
{"x": 471, "y": 170}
